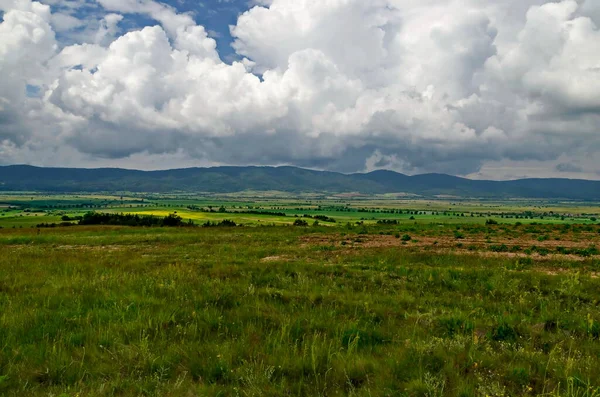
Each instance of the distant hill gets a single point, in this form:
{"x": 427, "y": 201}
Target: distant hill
{"x": 286, "y": 179}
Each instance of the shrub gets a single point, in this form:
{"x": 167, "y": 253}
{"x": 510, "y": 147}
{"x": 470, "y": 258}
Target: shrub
{"x": 324, "y": 218}
{"x": 500, "y": 248}
{"x": 51, "y": 225}
{"x": 504, "y": 332}
{"x": 224, "y": 223}
{"x": 387, "y": 222}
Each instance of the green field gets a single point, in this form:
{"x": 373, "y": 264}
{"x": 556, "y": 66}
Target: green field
{"x": 30, "y": 209}
{"x": 432, "y": 306}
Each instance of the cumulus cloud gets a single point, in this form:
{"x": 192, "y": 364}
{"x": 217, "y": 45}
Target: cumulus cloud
{"x": 27, "y": 41}
{"x": 109, "y": 27}
{"x": 166, "y": 15}
{"x": 545, "y": 70}
{"x": 416, "y": 86}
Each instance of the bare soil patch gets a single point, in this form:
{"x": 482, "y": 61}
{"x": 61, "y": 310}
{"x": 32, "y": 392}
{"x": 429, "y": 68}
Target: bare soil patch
{"x": 476, "y": 245}
{"x": 275, "y": 258}
{"x": 95, "y": 247}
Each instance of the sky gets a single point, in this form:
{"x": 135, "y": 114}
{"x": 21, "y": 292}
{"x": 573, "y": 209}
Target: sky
{"x": 488, "y": 89}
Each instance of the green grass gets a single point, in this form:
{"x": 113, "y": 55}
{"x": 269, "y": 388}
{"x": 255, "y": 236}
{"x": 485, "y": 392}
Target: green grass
{"x": 259, "y": 311}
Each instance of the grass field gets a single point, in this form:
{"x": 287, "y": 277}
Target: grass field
{"x": 409, "y": 309}
{"x": 443, "y": 298}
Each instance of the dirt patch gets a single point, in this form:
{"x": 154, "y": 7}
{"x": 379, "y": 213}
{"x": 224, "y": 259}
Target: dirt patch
{"x": 374, "y": 241}
{"x": 534, "y": 255}
{"x": 562, "y": 272}
{"x": 473, "y": 245}
{"x": 552, "y": 272}
{"x": 275, "y": 258}
{"x": 95, "y": 247}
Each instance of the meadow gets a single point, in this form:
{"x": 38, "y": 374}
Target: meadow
{"x": 375, "y": 304}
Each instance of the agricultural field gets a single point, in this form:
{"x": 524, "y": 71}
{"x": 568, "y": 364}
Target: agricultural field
{"x": 426, "y": 302}
{"x": 252, "y": 208}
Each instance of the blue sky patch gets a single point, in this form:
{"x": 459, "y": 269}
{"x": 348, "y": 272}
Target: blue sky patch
{"x": 32, "y": 91}
{"x": 215, "y": 15}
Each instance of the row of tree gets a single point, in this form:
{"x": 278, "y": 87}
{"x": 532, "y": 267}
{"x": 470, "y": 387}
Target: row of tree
{"x": 100, "y": 218}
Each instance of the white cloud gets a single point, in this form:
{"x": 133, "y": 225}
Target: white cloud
{"x": 26, "y": 42}
{"x": 344, "y": 84}
{"x": 563, "y": 69}
{"x": 109, "y": 27}
{"x": 166, "y": 15}
{"x": 351, "y": 33}
{"x": 65, "y": 22}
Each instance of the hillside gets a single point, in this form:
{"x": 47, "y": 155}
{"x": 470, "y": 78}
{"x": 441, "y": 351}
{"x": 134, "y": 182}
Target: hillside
{"x": 288, "y": 179}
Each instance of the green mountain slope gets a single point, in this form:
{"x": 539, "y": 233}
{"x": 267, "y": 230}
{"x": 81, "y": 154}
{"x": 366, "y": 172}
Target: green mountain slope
{"x": 288, "y": 179}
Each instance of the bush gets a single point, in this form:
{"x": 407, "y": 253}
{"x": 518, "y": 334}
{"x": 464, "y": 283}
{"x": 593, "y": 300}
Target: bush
{"x": 387, "y": 222}
{"x": 300, "y": 222}
{"x": 499, "y": 248}
{"x": 224, "y": 223}
{"x": 504, "y": 332}
{"x": 324, "y": 218}
{"x": 491, "y": 222}
{"x": 406, "y": 237}
{"x": 51, "y": 225}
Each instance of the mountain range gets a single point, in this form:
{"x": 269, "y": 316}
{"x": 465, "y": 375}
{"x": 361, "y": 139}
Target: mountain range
{"x": 285, "y": 179}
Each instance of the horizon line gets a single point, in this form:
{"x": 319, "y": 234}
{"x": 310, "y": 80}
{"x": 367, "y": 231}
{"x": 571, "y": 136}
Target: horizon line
{"x": 295, "y": 167}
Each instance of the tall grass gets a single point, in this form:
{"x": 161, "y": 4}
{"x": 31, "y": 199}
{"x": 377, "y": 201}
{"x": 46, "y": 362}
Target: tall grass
{"x": 258, "y": 312}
